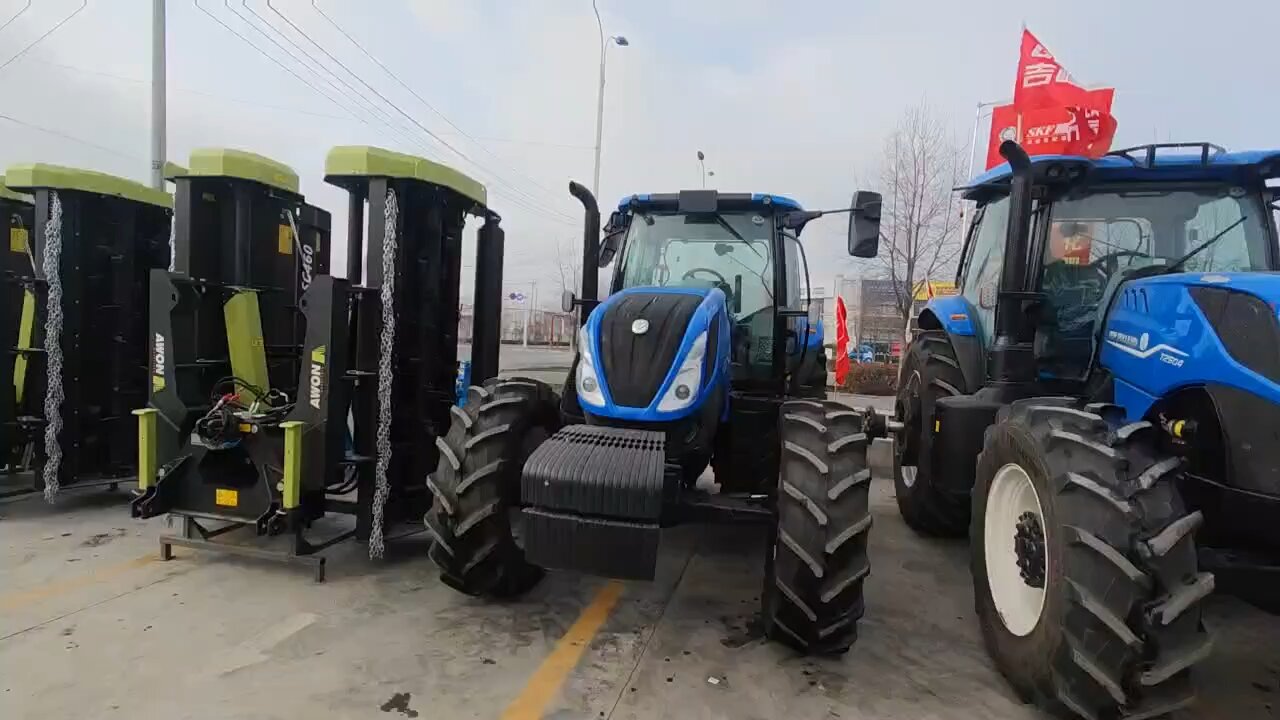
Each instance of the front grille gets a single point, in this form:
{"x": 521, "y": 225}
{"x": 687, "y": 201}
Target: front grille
{"x": 635, "y": 365}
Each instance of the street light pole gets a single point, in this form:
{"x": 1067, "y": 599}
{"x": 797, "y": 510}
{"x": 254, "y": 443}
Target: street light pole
{"x": 604, "y": 47}
{"x": 973, "y": 148}
{"x": 530, "y": 302}
{"x": 158, "y": 110}
{"x": 702, "y": 165}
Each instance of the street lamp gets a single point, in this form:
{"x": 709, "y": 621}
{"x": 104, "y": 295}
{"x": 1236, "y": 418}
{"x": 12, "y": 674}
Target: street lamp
{"x": 978, "y": 114}
{"x": 620, "y": 41}
{"x": 702, "y": 165}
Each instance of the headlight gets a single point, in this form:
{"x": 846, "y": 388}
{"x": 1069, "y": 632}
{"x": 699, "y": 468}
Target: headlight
{"x": 586, "y": 381}
{"x": 684, "y": 388}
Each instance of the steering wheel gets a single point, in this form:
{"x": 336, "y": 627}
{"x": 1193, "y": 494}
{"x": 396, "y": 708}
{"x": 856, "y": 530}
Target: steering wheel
{"x": 1111, "y": 259}
{"x": 689, "y": 275}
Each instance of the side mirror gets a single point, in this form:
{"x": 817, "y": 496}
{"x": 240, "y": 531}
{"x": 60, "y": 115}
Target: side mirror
{"x": 864, "y": 224}
{"x": 617, "y": 221}
{"x": 609, "y": 247}
{"x": 568, "y": 301}
{"x": 613, "y": 232}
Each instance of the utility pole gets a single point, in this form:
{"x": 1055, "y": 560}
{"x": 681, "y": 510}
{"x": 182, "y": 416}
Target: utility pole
{"x": 620, "y": 41}
{"x": 528, "y": 312}
{"x": 158, "y": 103}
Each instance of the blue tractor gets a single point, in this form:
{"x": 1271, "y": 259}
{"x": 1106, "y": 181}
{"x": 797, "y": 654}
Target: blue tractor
{"x": 1099, "y": 410}
{"x": 706, "y": 353}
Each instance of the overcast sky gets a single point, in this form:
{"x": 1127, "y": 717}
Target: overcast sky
{"x": 792, "y": 98}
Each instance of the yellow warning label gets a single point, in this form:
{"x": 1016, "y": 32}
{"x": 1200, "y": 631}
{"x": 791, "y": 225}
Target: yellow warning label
{"x": 226, "y": 497}
{"x": 18, "y": 239}
{"x": 937, "y": 425}
{"x": 285, "y": 241}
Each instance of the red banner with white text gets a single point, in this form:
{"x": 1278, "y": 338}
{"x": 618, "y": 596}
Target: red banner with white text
{"x": 1051, "y": 114}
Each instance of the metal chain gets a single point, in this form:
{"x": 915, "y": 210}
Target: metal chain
{"x": 53, "y": 395}
{"x": 173, "y": 241}
{"x": 386, "y": 348}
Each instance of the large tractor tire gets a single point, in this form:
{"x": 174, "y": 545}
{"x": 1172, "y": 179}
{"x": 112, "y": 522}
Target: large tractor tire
{"x": 477, "y": 483}
{"x": 817, "y": 556}
{"x": 930, "y": 371}
{"x": 1084, "y": 563}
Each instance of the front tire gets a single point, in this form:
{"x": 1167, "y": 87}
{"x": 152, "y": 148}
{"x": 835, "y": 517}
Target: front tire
{"x": 1084, "y": 564}
{"x": 817, "y": 555}
{"x": 930, "y": 372}
{"x": 477, "y": 483}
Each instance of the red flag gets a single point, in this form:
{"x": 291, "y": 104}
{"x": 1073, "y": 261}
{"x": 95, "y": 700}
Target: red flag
{"x": 1056, "y": 130}
{"x": 842, "y": 342}
{"x": 1042, "y": 81}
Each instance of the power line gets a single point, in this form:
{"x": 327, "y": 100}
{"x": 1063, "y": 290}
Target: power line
{"x": 368, "y": 108}
{"x": 73, "y": 138}
{"x": 15, "y": 16}
{"x": 282, "y": 66}
{"x": 387, "y": 70}
{"x": 421, "y": 99}
{"x": 522, "y": 141}
{"x": 380, "y": 118}
{"x": 222, "y": 98}
{"x": 63, "y": 21}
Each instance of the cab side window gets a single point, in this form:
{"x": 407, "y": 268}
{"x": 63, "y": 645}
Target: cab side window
{"x": 981, "y": 282}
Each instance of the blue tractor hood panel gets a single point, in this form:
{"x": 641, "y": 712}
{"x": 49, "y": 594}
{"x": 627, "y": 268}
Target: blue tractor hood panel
{"x": 1174, "y": 331}
{"x": 637, "y": 342}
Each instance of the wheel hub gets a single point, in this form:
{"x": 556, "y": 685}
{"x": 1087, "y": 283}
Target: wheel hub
{"x": 1028, "y": 545}
{"x": 1015, "y": 549}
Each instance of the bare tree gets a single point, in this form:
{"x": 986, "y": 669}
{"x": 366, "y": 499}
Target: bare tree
{"x": 920, "y": 223}
{"x": 569, "y": 265}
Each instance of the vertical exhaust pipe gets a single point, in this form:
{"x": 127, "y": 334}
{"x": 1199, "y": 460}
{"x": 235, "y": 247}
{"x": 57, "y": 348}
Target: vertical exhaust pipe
{"x": 590, "y": 249}
{"x": 1012, "y": 358}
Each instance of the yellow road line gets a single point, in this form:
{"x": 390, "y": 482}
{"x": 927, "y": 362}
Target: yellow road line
{"x": 545, "y": 683}
{"x": 22, "y": 598}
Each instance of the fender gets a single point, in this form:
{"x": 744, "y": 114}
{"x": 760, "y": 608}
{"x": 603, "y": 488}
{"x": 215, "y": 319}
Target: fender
{"x": 957, "y": 317}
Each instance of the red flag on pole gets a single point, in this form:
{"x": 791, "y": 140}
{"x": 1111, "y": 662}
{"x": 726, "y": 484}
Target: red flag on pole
{"x": 1051, "y": 114}
{"x": 1042, "y": 81}
{"x": 842, "y": 342}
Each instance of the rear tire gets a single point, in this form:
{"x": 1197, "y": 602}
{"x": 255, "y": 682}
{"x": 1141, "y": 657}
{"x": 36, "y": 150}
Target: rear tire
{"x": 477, "y": 483}
{"x": 817, "y": 555}
{"x": 1114, "y": 628}
{"x": 930, "y": 371}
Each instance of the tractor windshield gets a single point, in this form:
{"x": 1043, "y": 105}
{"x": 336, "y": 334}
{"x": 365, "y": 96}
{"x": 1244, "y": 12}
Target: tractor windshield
{"x": 1097, "y": 235}
{"x": 1110, "y": 230}
{"x": 730, "y": 251}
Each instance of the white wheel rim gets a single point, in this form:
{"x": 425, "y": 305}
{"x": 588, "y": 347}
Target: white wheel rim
{"x": 908, "y": 475}
{"x": 1012, "y": 494}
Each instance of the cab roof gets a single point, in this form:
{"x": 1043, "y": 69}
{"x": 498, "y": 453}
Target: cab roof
{"x": 722, "y": 201}
{"x": 1146, "y": 163}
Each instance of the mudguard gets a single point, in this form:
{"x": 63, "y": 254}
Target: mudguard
{"x": 955, "y": 315}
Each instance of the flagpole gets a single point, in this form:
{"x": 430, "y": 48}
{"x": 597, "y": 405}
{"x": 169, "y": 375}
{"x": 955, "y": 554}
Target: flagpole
{"x": 973, "y": 150}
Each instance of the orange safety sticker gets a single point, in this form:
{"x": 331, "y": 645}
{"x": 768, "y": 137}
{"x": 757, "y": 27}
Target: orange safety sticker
{"x": 226, "y": 497}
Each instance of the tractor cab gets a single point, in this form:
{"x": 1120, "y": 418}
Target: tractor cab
{"x": 1094, "y": 224}
{"x": 704, "y": 241}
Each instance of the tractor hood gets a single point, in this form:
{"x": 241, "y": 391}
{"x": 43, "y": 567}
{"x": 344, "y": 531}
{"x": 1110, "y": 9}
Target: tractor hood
{"x": 637, "y": 341}
{"x": 1265, "y": 285}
